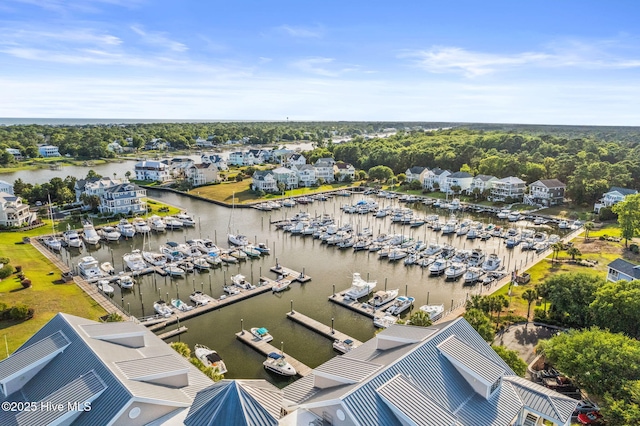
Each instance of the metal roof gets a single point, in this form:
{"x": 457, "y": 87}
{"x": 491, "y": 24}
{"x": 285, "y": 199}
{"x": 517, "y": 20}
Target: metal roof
{"x": 28, "y": 355}
{"x": 552, "y": 405}
{"x": 482, "y": 366}
{"x": 348, "y": 368}
{"x": 112, "y": 329}
{"x": 165, "y": 365}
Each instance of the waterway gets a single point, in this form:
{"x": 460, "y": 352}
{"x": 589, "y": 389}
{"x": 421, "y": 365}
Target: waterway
{"x": 327, "y": 265}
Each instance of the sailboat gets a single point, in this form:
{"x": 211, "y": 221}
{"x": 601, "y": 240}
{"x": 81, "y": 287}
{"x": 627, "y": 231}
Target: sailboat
{"x": 235, "y": 239}
{"x": 52, "y": 242}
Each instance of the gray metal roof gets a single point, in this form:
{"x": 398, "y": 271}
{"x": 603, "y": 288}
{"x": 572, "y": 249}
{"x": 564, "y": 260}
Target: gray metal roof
{"x": 552, "y": 405}
{"x": 499, "y": 410}
{"x": 485, "y": 178}
{"x": 626, "y": 268}
{"x": 623, "y": 191}
{"x": 549, "y": 183}
{"x": 140, "y": 368}
{"x": 27, "y": 355}
{"x": 348, "y": 368}
{"x": 109, "y": 330}
{"x": 461, "y": 175}
{"x": 466, "y": 355}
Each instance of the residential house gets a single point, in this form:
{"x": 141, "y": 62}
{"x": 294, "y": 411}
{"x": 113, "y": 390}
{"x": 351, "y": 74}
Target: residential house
{"x": 458, "y": 179}
{"x": 324, "y": 169}
{"x": 511, "y": 187}
{"x": 94, "y": 186}
{"x": 216, "y": 159}
{"x": 286, "y": 176}
{"x": 16, "y": 153}
{"x": 152, "y": 171}
{"x": 546, "y": 192}
{"x": 482, "y": 183}
{"x": 415, "y": 173}
{"x": 254, "y": 156}
{"x": 157, "y": 144}
{"x": 95, "y": 373}
{"x": 48, "y": 151}
{"x": 277, "y": 155}
{"x": 615, "y": 195}
{"x": 204, "y": 143}
{"x": 125, "y": 198}
{"x": 202, "y": 174}
{"x": 344, "y": 171}
{"x": 13, "y": 212}
{"x": 264, "y": 180}
{"x": 115, "y": 147}
{"x": 6, "y": 187}
{"x": 178, "y": 166}
{"x": 621, "y": 269}
{"x": 306, "y": 175}
{"x": 236, "y": 158}
{"x": 435, "y": 178}
{"x": 295, "y": 159}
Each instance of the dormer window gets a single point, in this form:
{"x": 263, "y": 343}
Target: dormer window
{"x": 495, "y": 386}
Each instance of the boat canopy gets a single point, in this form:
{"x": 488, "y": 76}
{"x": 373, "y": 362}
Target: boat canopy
{"x": 275, "y": 355}
{"x": 348, "y": 342}
{"x": 213, "y": 357}
{"x": 262, "y": 331}
{"x": 172, "y": 244}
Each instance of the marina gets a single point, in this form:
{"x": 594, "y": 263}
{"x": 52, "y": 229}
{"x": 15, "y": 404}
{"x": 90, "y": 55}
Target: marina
{"x": 266, "y": 348}
{"x": 318, "y": 327}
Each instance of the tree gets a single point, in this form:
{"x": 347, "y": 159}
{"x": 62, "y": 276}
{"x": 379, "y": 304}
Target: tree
{"x": 512, "y": 359}
{"x": 570, "y": 295}
{"x": 455, "y": 188}
{"x": 556, "y": 247}
{"x": 573, "y": 252}
{"x": 588, "y": 227}
{"x": 127, "y": 174}
{"x": 401, "y": 177}
{"x": 530, "y": 295}
{"x": 628, "y": 212}
{"x": 182, "y": 348}
{"x": 380, "y": 173}
{"x": 481, "y": 323}
{"x": 617, "y": 307}
{"x": 420, "y": 319}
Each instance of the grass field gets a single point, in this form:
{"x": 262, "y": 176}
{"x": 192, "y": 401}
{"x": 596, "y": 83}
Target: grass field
{"x": 570, "y": 212}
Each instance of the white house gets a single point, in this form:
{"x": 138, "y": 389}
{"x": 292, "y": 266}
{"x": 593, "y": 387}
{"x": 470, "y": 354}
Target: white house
{"x": 264, "y": 180}
{"x": 615, "y": 195}
{"x": 6, "y": 187}
{"x": 306, "y": 175}
{"x": 94, "y": 186}
{"x": 621, "y": 269}
{"x": 324, "y": 169}
{"x": 435, "y": 178}
{"x": 202, "y": 174}
{"x": 482, "y": 183}
{"x": 415, "y": 173}
{"x": 460, "y": 179}
{"x": 204, "y": 143}
{"x": 344, "y": 171}
{"x": 546, "y": 192}
{"x": 236, "y": 158}
{"x": 152, "y": 171}
{"x": 13, "y": 212}
{"x": 215, "y": 159}
{"x": 115, "y": 147}
{"x": 508, "y": 188}
{"x": 295, "y": 160}
{"x": 286, "y": 176}
{"x": 15, "y": 152}
{"x": 125, "y": 198}
{"x": 48, "y": 151}
{"x": 178, "y": 166}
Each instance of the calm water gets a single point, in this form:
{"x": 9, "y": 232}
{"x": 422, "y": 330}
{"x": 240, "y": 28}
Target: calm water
{"x": 327, "y": 265}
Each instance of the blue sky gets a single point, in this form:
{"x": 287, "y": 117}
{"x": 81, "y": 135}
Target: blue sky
{"x": 549, "y": 62}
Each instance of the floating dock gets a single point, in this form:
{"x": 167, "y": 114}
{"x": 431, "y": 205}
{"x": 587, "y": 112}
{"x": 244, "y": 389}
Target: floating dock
{"x": 290, "y": 274}
{"x": 168, "y": 334}
{"x": 318, "y": 327}
{"x": 266, "y": 348}
{"x": 359, "y": 307}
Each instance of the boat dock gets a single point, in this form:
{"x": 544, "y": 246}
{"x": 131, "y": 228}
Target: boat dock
{"x": 265, "y": 348}
{"x": 171, "y": 333}
{"x": 359, "y": 307}
{"x": 318, "y": 327}
{"x": 290, "y": 274}
{"x": 113, "y": 278}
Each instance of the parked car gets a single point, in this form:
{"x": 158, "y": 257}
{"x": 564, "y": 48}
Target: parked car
{"x": 585, "y": 406}
{"x": 590, "y": 418}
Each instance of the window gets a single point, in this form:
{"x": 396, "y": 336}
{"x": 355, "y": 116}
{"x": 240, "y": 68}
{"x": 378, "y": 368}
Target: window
{"x": 495, "y": 385}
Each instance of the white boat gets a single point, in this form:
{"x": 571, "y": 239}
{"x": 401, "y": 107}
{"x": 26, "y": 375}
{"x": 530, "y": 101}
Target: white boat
{"x": 238, "y": 240}
{"x": 231, "y": 290}
{"x": 240, "y": 281}
{"x": 172, "y": 251}
{"x": 263, "y": 248}
{"x": 476, "y": 258}
{"x": 513, "y": 216}
{"x": 107, "y": 268}
{"x": 382, "y": 297}
{"x": 172, "y": 223}
{"x": 53, "y": 243}
{"x": 385, "y": 321}
{"x": 125, "y": 228}
{"x": 89, "y": 268}
{"x": 435, "y": 311}
{"x": 174, "y": 270}
{"x": 90, "y": 235}
{"x": 199, "y": 298}
{"x": 280, "y": 285}
{"x": 141, "y": 226}
{"x": 262, "y": 333}
{"x": 455, "y": 270}
{"x": 238, "y": 254}
{"x": 344, "y": 346}
{"x": 110, "y": 233}
{"x": 201, "y": 263}
{"x": 153, "y": 258}
{"x": 162, "y": 309}
{"x": 433, "y": 249}
{"x": 472, "y": 234}
{"x": 278, "y": 364}
{"x": 251, "y": 251}
{"x": 438, "y": 267}
{"x": 213, "y": 259}
{"x": 226, "y": 258}
{"x": 134, "y": 261}
{"x": 180, "y": 305}
{"x": 72, "y": 239}
{"x": 492, "y": 263}
{"x": 185, "y": 219}
{"x": 400, "y": 305}
{"x": 563, "y": 224}
{"x": 504, "y": 214}
{"x": 157, "y": 224}
{"x": 210, "y": 358}
{"x": 359, "y": 287}
{"x": 105, "y": 287}
{"x": 125, "y": 281}
{"x": 473, "y": 275}
{"x": 397, "y": 254}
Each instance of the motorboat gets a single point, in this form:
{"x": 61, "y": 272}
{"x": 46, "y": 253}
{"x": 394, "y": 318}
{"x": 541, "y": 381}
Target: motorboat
{"x": 125, "y": 281}
{"x": 563, "y": 224}
{"x": 201, "y": 264}
{"x": 162, "y": 309}
{"x": 140, "y": 226}
{"x": 448, "y": 228}
{"x": 344, "y": 346}
{"x": 382, "y": 297}
{"x": 125, "y": 228}
{"x": 172, "y": 223}
{"x": 426, "y": 261}
{"x": 174, "y": 270}
{"x": 105, "y": 287}
{"x": 455, "y": 270}
{"x": 238, "y": 240}
{"x": 172, "y": 251}
{"x": 187, "y": 266}
{"x": 110, "y": 233}
{"x": 157, "y": 224}
{"x": 492, "y": 263}
{"x": 476, "y": 258}
{"x": 213, "y": 259}
{"x": 251, "y": 251}
{"x": 210, "y": 358}
{"x": 280, "y": 285}
{"x": 435, "y": 312}
{"x": 240, "y": 281}
{"x": 53, "y": 243}
{"x": 473, "y": 275}
{"x": 153, "y": 258}
{"x": 71, "y": 238}
{"x": 400, "y": 305}
{"x": 513, "y": 216}
{"x": 230, "y": 290}
{"x": 180, "y": 305}
{"x": 262, "y": 334}
{"x": 433, "y": 249}
{"x": 359, "y": 287}
{"x": 185, "y": 219}
{"x": 134, "y": 261}
{"x": 199, "y": 298}
{"x": 238, "y": 254}
{"x": 89, "y": 268}
{"x": 277, "y": 363}
{"x": 385, "y": 321}
{"x": 227, "y": 258}
{"x": 107, "y": 268}
{"x": 504, "y": 213}
{"x": 438, "y": 267}
{"x": 89, "y": 234}
{"x": 262, "y": 248}
{"x": 397, "y": 254}
{"x": 472, "y": 234}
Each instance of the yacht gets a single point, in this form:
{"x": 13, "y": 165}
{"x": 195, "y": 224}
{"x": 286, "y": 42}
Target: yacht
{"x": 125, "y": 228}
{"x": 230, "y": 290}
{"x": 107, "y": 268}
{"x": 239, "y": 280}
{"x": 172, "y": 223}
{"x": 199, "y": 298}
{"x": 72, "y": 239}
{"x": 472, "y": 234}
{"x": 280, "y": 285}
{"x": 210, "y": 358}
{"x": 563, "y": 224}
{"x": 397, "y": 254}
{"x": 90, "y": 235}
{"x": 504, "y": 214}
{"x": 134, "y": 261}
{"x": 433, "y": 249}
{"x": 344, "y": 346}
{"x": 278, "y": 364}
{"x": 153, "y": 258}
{"x": 448, "y": 228}
{"x": 201, "y": 264}
{"x": 89, "y": 268}
{"x": 435, "y": 311}
{"x": 238, "y": 254}
{"x": 105, "y": 287}
{"x": 438, "y": 267}
{"x": 157, "y": 224}
{"x": 513, "y": 216}
{"x": 125, "y": 281}
{"x": 180, "y": 305}
{"x": 262, "y": 334}
{"x": 251, "y": 251}
{"x": 174, "y": 270}
{"x": 382, "y": 297}
{"x": 455, "y": 270}
{"x": 400, "y": 305}
{"x": 492, "y": 263}
{"x": 172, "y": 251}
{"x": 185, "y": 219}
{"x": 238, "y": 240}
{"x": 263, "y": 248}
{"x": 110, "y": 233}
{"x": 476, "y": 258}
{"x": 53, "y": 243}
{"x": 473, "y": 275}
{"x": 162, "y": 309}
{"x": 359, "y": 287}
{"x": 141, "y": 226}
{"x": 385, "y": 321}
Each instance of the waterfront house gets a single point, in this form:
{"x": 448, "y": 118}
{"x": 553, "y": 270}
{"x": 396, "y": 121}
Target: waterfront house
{"x": 178, "y": 166}
{"x": 202, "y": 174}
{"x": 156, "y": 143}
{"x": 236, "y": 158}
{"x": 48, "y": 151}
{"x": 277, "y": 155}
{"x": 125, "y": 198}
{"x": 415, "y": 173}
{"x": 295, "y": 159}
{"x": 434, "y": 179}
{"x": 152, "y": 171}
{"x": 546, "y": 192}
{"x": 264, "y": 180}
{"x": 13, "y": 212}
{"x": 286, "y": 176}
{"x": 460, "y": 179}
{"x": 511, "y": 188}
{"x": 324, "y": 169}
{"x": 16, "y": 153}
{"x": 216, "y": 159}
{"x": 204, "y": 143}
{"x": 6, "y": 187}
{"x": 255, "y": 156}
{"x": 94, "y": 186}
{"x": 344, "y": 171}
{"x": 613, "y": 196}
{"x": 115, "y": 147}
{"x": 621, "y": 269}
{"x": 306, "y": 175}
{"x": 95, "y": 373}
{"x": 482, "y": 183}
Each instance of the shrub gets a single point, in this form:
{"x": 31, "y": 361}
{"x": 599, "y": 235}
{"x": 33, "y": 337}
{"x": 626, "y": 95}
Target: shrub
{"x": 26, "y": 283}
{"x": 6, "y": 271}
{"x": 21, "y": 312}
{"x": 18, "y": 268}
{"x": 634, "y": 248}
{"x": 607, "y": 214}
{"x": 4, "y": 260}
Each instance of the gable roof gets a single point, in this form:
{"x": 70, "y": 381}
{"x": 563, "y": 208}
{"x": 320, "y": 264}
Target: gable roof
{"x": 438, "y": 171}
{"x": 626, "y": 268}
{"x": 460, "y": 175}
{"x": 261, "y": 174}
{"x": 542, "y": 400}
{"x": 623, "y": 191}
{"x": 485, "y": 178}
{"x": 549, "y": 183}
{"x": 511, "y": 180}
{"x": 416, "y": 170}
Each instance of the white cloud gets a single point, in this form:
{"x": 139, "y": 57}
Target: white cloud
{"x": 322, "y": 66}
{"x": 159, "y": 39}
{"x": 301, "y": 32}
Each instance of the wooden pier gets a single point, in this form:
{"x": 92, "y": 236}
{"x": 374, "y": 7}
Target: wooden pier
{"x": 290, "y": 274}
{"x": 359, "y": 307}
{"x": 171, "y": 333}
{"x": 318, "y": 327}
{"x": 265, "y": 348}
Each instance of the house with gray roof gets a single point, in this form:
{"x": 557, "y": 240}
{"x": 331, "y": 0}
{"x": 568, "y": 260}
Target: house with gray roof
{"x": 126, "y": 198}
{"x": 6, "y": 187}
{"x": 458, "y": 179}
{"x": 264, "y": 180}
{"x": 306, "y": 175}
{"x": 509, "y": 188}
{"x": 435, "y": 178}
{"x": 481, "y": 183}
{"x": 546, "y": 192}
{"x": 97, "y": 374}
{"x": 415, "y": 173}
{"x": 613, "y": 196}
{"x": 621, "y": 269}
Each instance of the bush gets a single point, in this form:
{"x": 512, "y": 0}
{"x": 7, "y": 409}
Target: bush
{"x": 4, "y": 260}
{"x": 634, "y": 248}
{"x": 18, "y": 269}
{"x": 26, "y": 283}
{"x": 21, "y": 312}
{"x": 6, "y": 271}
{"x": 607, "y": 214}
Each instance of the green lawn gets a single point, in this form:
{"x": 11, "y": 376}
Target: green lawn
{"x": 577, "y": 212}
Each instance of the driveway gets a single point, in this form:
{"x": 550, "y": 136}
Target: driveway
{"x": 523, "y": 338}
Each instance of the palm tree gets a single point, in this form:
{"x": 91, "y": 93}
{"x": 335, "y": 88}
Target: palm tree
{"x": 530, "y": 295}
{"x": 557, "y": 247}
{"x": 587, "y": 228}
{"x": 501, "y": 302}
{"x": 420, "y": 319}
{"x": 573, "y": 252}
